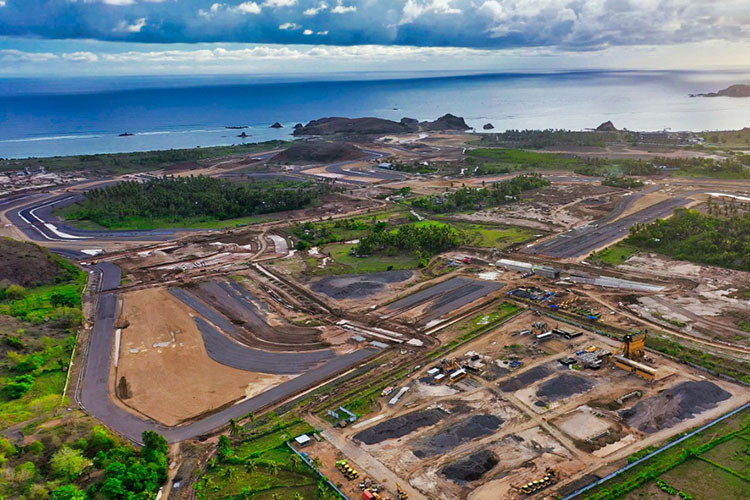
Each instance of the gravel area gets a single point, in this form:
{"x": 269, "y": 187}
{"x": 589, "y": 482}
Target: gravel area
{"x": 400, "y": 426}
{"x": 357, "y": 286}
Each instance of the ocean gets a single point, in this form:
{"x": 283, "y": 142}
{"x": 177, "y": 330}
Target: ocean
{"x": 45, "y": 117}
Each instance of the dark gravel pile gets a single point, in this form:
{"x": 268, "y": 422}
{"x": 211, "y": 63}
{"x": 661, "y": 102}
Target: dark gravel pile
{"x": 470, "y": 468}
{"x": 400, "y": 426}
{"x": 471, "y": 428}
{"x": 563, "y": 386}
{"x": 527, "y": 378}
{"x": 357, "y": 286}
{"x": 674, "y": 405}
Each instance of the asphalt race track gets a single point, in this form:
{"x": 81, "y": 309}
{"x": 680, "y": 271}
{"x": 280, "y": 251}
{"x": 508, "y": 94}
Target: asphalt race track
{"x": 95, "y": 394}
{"x": 585, "y": 240}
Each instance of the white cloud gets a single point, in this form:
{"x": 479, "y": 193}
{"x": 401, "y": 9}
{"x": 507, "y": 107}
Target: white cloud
{"x": 248, "y": 8}
{"x": 323, "y": 33}
{"x": 343, "y": 9}
{"x": 88, "y": 57}
{"x": 135, "y": 27}
{"x": 307, "y": 32}
{"x": 289, "y": 26}
{"x": 414, "y": 9}
{"x": 275, "y": 4}
{"x": 2, "y": 3}
{"x": 313, "y": 11}
{"x": 18, "y": 56}
{"x": 118, "y": 2}
{"x": 243, "y": 8}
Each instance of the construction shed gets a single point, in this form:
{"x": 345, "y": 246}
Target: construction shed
{"x": 514, "y": 265}
{"x": 302, "y": 440}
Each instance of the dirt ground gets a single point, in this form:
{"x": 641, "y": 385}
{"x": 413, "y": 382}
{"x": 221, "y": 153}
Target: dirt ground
{"x": 523, "y": 412}
{"x": 168, "y": 373}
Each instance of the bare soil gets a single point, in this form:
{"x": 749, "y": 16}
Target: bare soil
{"x": 168, "y": 374}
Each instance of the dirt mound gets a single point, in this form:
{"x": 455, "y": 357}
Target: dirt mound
{"x": 563, "y": 386}
{"x": 471, "y": 428}
{"x": 29, "y": 265}
{"x": 319, "y": 152}
{"x": 400, "y": 426}
{"x": 674, "y": 405}
{"x": 527, "y": 378}
{"x": 357, "y": 286}
{"x": 470, "y": 468}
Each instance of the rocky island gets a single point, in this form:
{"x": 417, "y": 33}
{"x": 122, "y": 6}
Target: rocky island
{"x": 372, "y": 126}
{"x": 738, "y": 90}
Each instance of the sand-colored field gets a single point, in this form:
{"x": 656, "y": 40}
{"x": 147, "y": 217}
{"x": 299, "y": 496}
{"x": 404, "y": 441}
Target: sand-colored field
{"x": 162, "y": 356}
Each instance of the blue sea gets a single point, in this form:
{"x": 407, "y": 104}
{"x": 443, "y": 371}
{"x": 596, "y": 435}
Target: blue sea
{"x": 50, "y": 117}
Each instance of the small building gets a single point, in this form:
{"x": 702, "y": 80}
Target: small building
{"x": 544, "y": 336}
{"x": 386, "y": 166}
{"x": 302, "y": 440}
{"x": 439, "y": 378}
{"x": 547, "y": 271}
{"x": 514, "y": 265}
{"x": 433, "y": 371}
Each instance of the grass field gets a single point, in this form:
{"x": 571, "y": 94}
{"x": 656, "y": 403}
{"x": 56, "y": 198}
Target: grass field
{"x": 616, "y": 254}
{"x": 486, "y": 235}
{"x": 500, "y": 160}
{"x": 259, "y": 466}
{"x": 348, "y": 264}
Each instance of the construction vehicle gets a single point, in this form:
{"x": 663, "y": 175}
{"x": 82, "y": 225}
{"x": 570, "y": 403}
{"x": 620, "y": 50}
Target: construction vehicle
{"x": 346, "y": 469}
{"x": 534, "y": 486}
{"x": 400, "y": 493}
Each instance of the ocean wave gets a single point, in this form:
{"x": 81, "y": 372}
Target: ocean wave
{"x": 53, "y": 138}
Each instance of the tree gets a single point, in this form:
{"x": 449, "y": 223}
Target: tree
{"x": 224, "y": 449}
{"x": 316, "y": 462}
{"x": 68, "y": 492}
{"x": 252, "y": 465}
{"x": 296, "y": 461}
{"x": 274, "y": 467}
{"x": 69, "y": 464}
{"x": 298, "y": 496}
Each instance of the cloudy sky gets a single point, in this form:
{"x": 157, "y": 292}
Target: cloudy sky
{"x": 92, "y": 37}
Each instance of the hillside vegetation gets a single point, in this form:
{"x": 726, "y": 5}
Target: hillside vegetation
{"x": 703, "y": 238}
{"x": 467, "y": 198}
{"x": 139, "y": 161}
{"x": 37, "y": 331}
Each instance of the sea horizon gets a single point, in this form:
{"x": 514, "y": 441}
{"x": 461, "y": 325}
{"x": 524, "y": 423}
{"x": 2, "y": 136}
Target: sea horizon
{"x": 43, "y": 117}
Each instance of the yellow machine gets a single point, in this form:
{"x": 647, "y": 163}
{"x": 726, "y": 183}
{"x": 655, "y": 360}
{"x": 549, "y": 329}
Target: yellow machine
{"x": 630, "y": 353}
{"x": 400, "y": 493}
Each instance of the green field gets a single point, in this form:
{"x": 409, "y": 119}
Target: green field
{"x": 616, "y": 254}
{"x": 343, "y": 263}
{"x": 143, "y": 223}
{"x": 501, "y": 161}
{"x": 711, "y": 465}
{"x": 256, "y": 464}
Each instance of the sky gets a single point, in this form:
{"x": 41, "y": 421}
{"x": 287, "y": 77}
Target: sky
{"x": 168, "y": 37}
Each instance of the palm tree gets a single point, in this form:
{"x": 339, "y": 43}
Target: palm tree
{"x": 298, "y": 496}
{"x": 252, "y": 465}
{"x": 316, "y": 462}
{"x": 274, "y": 468}
{"x": 296, "y": 461}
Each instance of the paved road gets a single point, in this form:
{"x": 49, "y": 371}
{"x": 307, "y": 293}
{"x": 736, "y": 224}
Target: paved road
{"x": 584, "y": 240}
{"x": 39, "y": 224}
{"x": 96, "y": 395}
{"x": 338, "y": 168}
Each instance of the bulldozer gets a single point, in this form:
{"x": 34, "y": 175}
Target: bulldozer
{"x": 400, "y": 493}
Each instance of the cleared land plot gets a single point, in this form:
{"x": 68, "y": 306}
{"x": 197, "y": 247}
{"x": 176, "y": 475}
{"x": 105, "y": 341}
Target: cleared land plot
{"x": 471, "y": 467}
{"x": 563, "y": 386}
{"x": 526, "y": 378}
{"x": 674, "y": 405}
{"x": 473, "y": 427}
{"x": 248, "y": 312}
{"x": 228, "y": 352}
{"x": 734, "y": 454}
{"x": 357, "y": 286}
{"x": 400, "y": 426}
{"x": 168, "y": 373}
{"x": 440, "y": 299}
